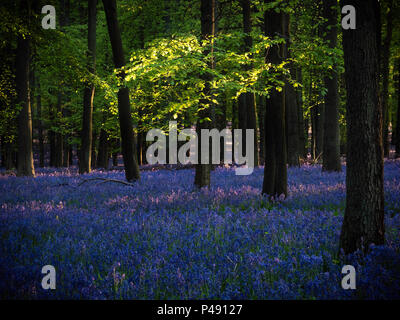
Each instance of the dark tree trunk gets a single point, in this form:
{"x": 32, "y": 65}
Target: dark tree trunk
{"x": 242, "y": 118}
{"x": 331, "y": 145}
{"x": 52, "y": 137}
{"x": 94, "y": 149}
{"x": 85, "y": 160}
{"x": 71, "y": 155}
{"x": 249, "y": 98}
{"x": 7, "y": 155}
{"x": 261, "y": 123}
{"x": 275, "y": 171}
{"x": 141, "y": 139}
{"x": 319, "y": 126}
{"x": 59, "y": 139}
{"x": 385, "y": 77}
{"x": 292, "y": 121}
{"x": 124, "y": 107}
{"x": 102, "y": 158}
{"x": 398, "y": 110}
{"x": 221, "y": 124}
{"x": 202, "y": 174}
{"x": 40, "y": 125}
{"x": 301, "y": 126}
{"x": 25, "y": 155}
{"x": 364, "y": 216}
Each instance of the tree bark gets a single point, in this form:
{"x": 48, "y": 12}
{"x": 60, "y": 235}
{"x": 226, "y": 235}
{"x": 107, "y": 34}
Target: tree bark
{"x": 303, "y": 134}
{"x": 40, "y": 125}
{"x": 261, "y": 123}
{"x": 275, "y": 170}
{"x": 52, "y": 137}
{"x": 25, "y": 155}
{"x": 124, "y": 107}
{"x": 292, "y": 121}
{"x": 331, "y": 145}
{"x": 385, "y": 77}
{"x": 249, "y": 99}
{"x": 59, "y": 139}
{"x": 202, "y": 173}
{"x": 102, "y": 158}
{"x": 397, "y": 154}
{"x": 85, "y": 161}
{"x": 364, "y": 215}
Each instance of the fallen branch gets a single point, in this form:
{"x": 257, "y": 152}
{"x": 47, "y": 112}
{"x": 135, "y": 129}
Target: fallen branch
{"x": 105, "y": 180}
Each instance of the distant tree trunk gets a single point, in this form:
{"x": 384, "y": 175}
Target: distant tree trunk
{"x": 141, "y": 139}
{"x": 7, "y": 155}
{"x": 85, "y": 160}
{"x": 331, "y": 145}
{"x": 292, "y": 121}
{"x": 385, "y": 77}
{"x": 71, "y": 155}
{"x": 319, "y": 126}
{"x": 261, "y": 123}
{"x": 207, "y": 9}
{"x": 398, "y": 110}
{"x": 59, "y": 139}
{"x": 221, "y": 124}
{"x": 40, "y": 125}
{"x": 242, "y": 118}
{"x": 364, "y": 215}
{"x": 275, "y": 170}
{"x": 25, "y": 154}
{"x": 249, "y": 98}
{"x": 102, "y": 158}
{"x": 66, "y": 154}
{"x": 52, "y": 137}
{"x": 94, "y": 149}
{"x": 301, "y": 126}
{"x": 124, "y": 107}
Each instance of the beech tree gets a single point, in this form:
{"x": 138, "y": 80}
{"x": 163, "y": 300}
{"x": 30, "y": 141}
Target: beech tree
{"x": 23, "y": 56}
{"x": 385, "y": 75}
{"x": 207, "y": 9}
{"x": 364, "y": 215}
{"x": 397, "y": 66}
{"x": 275, "y": 170}
{"x": 88, "y": 94}
{"x": 331, "y": 145}
{"x": 124, "y": 107}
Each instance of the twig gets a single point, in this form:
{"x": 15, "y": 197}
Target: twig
{"x": 104, "y": 180}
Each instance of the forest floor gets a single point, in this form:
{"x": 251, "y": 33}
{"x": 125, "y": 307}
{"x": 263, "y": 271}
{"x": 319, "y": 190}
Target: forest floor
{"x": 162, "y": 239}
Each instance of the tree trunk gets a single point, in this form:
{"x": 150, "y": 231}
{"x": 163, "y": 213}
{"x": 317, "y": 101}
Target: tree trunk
{"x": 261, "y": 122}
{"x": 40, "y": 125}
{"x": 25, "y": 155}
{"x": 102, "y": 158}
{"x": 385, "y": 77}
{"x": 59, "y": 139}
{"x": 319, "y": 126}
{"x": 52, "y": 137}
{"x": 94, "y": 149}
{"x": 301, "y": 126}
{"x": 275, "y": 170}
{"x": 202, "y": 174}
{"x": 331, "y": 145}
{"x": 85, "y": 160}
{"x": 124, "y": 107}
{"x": 292, "y": 121}
{"x": 249, "y": 98}
{"x": 364, "y": 216}
{"x": 397, "y": 155}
